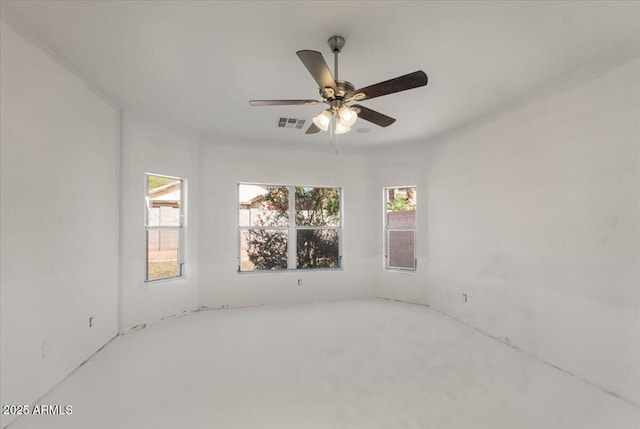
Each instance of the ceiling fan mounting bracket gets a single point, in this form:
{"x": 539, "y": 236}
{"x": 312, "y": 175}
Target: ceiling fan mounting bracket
{"x": 336, "y": 43}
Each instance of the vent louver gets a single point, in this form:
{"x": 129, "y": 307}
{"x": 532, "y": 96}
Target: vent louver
{"x": 290, "y": 123}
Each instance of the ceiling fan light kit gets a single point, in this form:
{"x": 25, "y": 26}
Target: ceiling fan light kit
{"x": 347, "y": 116}
{"x": 341, "y": 128}
{"x": 338, "y": 93}
{"x": 323, "y": 119}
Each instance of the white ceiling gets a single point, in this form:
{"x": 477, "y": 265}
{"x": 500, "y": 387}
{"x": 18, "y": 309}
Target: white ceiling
{"x": 196, "y": 64}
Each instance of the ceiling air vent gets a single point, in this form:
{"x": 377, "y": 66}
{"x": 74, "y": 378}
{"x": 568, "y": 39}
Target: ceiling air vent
{"x": 291, "y": 123}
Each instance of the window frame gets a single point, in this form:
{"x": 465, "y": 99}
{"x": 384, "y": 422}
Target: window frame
{"x": 179, "y": 228}
{"x": 387, "y": 229}
{"x": 292, "y": 230}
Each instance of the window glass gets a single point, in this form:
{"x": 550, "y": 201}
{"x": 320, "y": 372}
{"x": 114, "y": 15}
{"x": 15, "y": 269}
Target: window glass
{"x": 263, "y": 249}
{"x": 317, "y": 206}
{"x": 400, "y": 227}
{"x": 263, "y": 205}
{"x": 317, "y": 248}
{"x": 265, "y": 230}
{"x": 163, "y": 223}
{"x": 162, "y": 254}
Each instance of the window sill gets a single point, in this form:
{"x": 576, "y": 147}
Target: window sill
{"x": 296, "y": 271}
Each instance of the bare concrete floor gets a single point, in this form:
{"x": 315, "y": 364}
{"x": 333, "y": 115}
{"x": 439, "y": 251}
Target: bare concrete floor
{"x": 357, "y": 364}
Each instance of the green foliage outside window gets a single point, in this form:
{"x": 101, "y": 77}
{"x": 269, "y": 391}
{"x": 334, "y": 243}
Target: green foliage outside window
{"x": 315, "y": 247}
{"x": 400, "y": 204}
{"x": 401, "y": 199}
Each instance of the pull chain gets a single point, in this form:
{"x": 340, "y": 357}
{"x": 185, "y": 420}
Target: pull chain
{"x": 331, "y": 133}
{"x": 336, "y": 137}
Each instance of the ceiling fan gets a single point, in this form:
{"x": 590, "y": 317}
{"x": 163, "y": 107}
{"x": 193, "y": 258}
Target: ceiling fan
{"x": 338, "y": 94}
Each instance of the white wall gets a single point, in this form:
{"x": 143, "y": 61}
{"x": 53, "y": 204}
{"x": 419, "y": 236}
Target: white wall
{"x": 399, "y": 166}
{"x": 536, "y": 216}
{"x": 59, "y": 155}
{"x": 227, "y": 162}
{"x": 213, "y": 167}
{"x": 151, "y": 147}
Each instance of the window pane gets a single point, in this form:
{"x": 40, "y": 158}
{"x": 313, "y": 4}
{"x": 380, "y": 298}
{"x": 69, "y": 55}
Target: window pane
{"x": 263, "y": 205}
{"x": 317, "y": 248}
{"x": 162, "y": 254}
{"x": 401, "y": 218}
{"x": 401, "y": 249}
{"x": 263, "y": 249}
{"x": 317, "y": 206}
{"x": 401, "y": 200}
{"x": 164, "y": 198}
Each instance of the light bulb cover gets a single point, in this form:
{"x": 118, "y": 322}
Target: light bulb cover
{"x": 341, "y": 128}
{"x": 322, "y": 120}
{"x": 347, "y": 115}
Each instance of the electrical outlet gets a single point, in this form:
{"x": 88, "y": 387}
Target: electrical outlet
{"x": 465, "y": 297}
{"x": 299, "y": 282}
{"x": 91, "y": 321}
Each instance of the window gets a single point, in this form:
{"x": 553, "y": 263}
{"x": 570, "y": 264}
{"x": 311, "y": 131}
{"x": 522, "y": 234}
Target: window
{"x": 400, "y": 228}
{"x": 163, "y": 224}
{"x": 288, "y": 227}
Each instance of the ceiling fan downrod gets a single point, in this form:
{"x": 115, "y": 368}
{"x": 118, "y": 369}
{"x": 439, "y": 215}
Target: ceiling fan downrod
{"x": 336, "y": 43}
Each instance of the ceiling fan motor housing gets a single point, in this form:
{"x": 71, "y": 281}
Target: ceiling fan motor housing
{"x": 343, "y": 88}
{"x": 336, "y": 43}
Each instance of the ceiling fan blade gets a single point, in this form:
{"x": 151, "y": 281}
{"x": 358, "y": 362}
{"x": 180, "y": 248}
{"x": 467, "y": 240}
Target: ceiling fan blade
{"x": 373, "y": 116}
{"x": 314, "y": 62}
{"x": 313, "y": 129}
{"x": 281, "y": 102}
{"x": 401, "y": 83}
